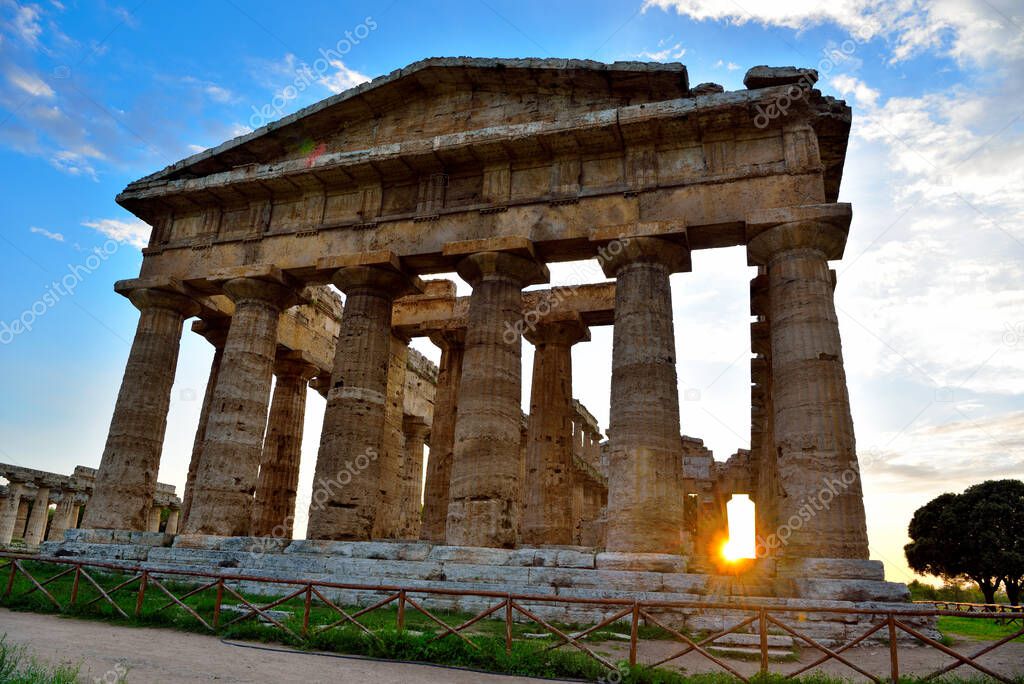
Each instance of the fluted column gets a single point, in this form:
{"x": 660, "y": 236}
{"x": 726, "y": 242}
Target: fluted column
{"x": 389, "y": 522}
{"x": 173, "y": 518}
{"x": 548, "y": 507}
{"x": 9, "y": 512}
{"x": 442, "y": 435}
{"x": 155, "y": 515}
{"x": 216, "y": 333}
{"x": 645, "y": 479}
{"x": 346, "y": 485}
{"x": 38, "y": 518}
{"x": 222, "y": 499}
{"x": 416, "y": 430}
{"x": 483, "y": 509}
{"x": 126, "y": 480}
{"x": 276, "y": 489}
{"x": 822, "y": 502}
{"x": 22, "y": 521}
{"x": 61, "y": 518}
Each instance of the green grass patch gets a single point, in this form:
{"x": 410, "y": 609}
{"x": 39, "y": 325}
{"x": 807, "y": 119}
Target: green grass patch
{"x": 18, "y": 667}
{"x": 982, "y": 629}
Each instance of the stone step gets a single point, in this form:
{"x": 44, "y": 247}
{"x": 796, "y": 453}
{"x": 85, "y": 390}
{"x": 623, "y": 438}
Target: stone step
{"x": 750, "y": 652}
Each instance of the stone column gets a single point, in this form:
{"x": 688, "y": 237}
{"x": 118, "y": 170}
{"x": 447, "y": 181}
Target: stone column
{"x": 173, "y": 517}
{"x": 442, "y": 435}
{"x": 61, "y": 518}
{"x": 277, "y": 487}
{"x": 548, "y": 510}
{"x": 126, "y": 480}
{"x": 22, "y": 521}
{"x": 645, "y": 478}
{"x": 9, "y": 513}
{"x": 813, "y": 430}
{"x": 155, "y": 514}
{"x": 76, "y": 511}
{"x": 483, "y": 508}
{"x": 36, "y": 530}
{"x": 226, "y": 477}
{"x": 388, "y": 523}
{"x": 416, "y": 430}
{"x": 216, "y": 333}
{"x": 346, "y": 487}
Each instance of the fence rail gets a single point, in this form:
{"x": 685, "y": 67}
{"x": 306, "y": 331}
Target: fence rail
{"x": 144, "y": 580}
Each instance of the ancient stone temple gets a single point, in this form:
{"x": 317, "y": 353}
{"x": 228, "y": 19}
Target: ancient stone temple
{"x": 25, "y": 509}
{"x": 492, "y": 169}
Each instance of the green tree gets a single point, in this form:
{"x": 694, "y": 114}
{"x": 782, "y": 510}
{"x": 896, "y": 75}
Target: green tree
{"x": 975, "y": 535}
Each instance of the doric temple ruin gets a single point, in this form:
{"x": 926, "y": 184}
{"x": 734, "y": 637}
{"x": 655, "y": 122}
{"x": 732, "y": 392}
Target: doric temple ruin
{"x": 492, "y": 169}
{"x": 25, "y": 509}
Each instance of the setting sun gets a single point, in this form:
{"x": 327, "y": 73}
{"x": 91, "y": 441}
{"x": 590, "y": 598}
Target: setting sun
{"x": 741, "y": 543}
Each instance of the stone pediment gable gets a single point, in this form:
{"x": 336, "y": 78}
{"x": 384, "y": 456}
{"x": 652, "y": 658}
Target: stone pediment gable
{"x": 440, "y": 96}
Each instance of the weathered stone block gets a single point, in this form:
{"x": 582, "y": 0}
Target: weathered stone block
{"x": 850, "y": 590}
{"x": 832, "y": 568}
{"x": 651, "y": 562}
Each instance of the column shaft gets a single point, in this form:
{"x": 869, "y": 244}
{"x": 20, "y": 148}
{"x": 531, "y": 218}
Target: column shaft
{"x": 61, "y": 518}
{"x": 346, "y": 487}
{"x": 173, "y": 517}
{"x": 217, "y": 334}
{"x": 225, "y": 482}
{"x": 9, "y": 512}
{"x": 416, "y": 430}
{"x": 127, "y": 476}
{"x": 645, "y": 483}
{"x": 822, "y": 502}
{"x": 483, "y": 509}
{"x": 442, "y": 437}
{"x": 277, "y": 487}
{"x": 36, "y": 530}
{"x": 548, "y": 510}
{"x": 155, "y": 515}
{"x": 389, "y": 522}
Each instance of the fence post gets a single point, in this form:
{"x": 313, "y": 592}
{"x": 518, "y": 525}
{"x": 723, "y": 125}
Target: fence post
{"x": 308, "y": 608}
{"x": 762, "y": 627}
{"x": 508, "y": 625}
{"x": 142, "y": 593}
{"x": 74, "y": 585}
{"x": 10, "y": 580}
{"x": 401, "y": 610}
{"x": 216, "y": 605}
{"x": 894, "y": 652}
{"x": 633, "y": 634}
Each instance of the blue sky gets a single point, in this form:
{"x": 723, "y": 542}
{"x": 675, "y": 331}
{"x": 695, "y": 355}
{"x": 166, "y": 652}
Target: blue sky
{"x": 931, "y": 294}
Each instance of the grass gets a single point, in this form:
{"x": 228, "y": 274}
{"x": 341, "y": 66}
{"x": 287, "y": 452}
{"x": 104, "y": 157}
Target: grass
{"x": 528, "y": 657}
{"x": 18, "y": 667}
{"x": 978, "y": 628}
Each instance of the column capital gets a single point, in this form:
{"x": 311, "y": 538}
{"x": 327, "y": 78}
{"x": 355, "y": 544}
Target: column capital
{"x": 482, "y": 266}
{"x": 215, "y": 330}
{"x": 321, "y": 383}
{"x": 821, "y": 227}
{"x": 378, "y": 279}
{"x": 415, "y": 427}
{"x": 446, "y": 339}
{"x": 293, "y": 363}
{"x": 149, "y": 298}
{"x": 675, "y": 257}
{"x": 565, "y": 331}
{"x": 248, "y": 289}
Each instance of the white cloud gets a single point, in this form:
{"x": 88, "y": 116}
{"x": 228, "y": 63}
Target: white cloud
{"x": 343, "y": 78}
{"x": 26, "y": 24}
{"x": 675, "y": 51}
{"x": 968, "y": 30}
{"x": 133, "y": 232}
{"x": 195, "y": 149}
{"x": 57, "y": 237}
{"x": 28, "y": 83}
{"x": 217, "y": 93}
{"x": 73, "y": 163}
{"x": 850, "y": 85}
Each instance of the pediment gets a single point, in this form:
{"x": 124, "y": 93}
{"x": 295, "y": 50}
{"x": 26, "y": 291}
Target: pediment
{"x": 441, "y": 96}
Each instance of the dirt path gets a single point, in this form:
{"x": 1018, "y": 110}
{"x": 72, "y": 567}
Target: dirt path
{"x": 164, "y": 655}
